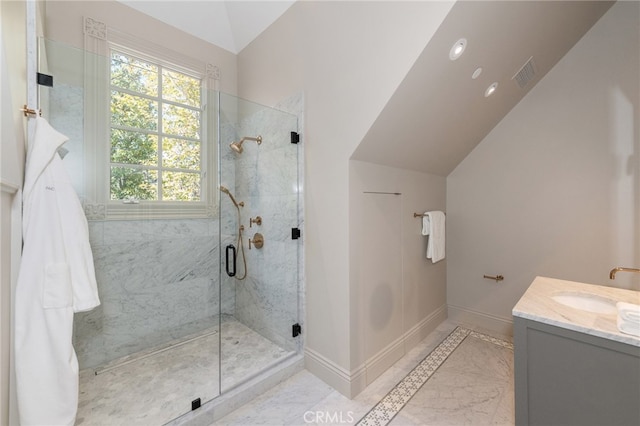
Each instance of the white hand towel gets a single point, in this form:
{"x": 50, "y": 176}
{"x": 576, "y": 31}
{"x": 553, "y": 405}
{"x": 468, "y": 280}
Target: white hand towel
{"x": 628, "y": 327}
{"x": 628, "y": 320}
{"x": 426, "y": 224}
{"x": 436, "y": 243}
{"x": 629, "y": 312}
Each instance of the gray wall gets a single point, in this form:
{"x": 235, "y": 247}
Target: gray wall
{"x": 345, "y": 57}
{"x": 398, "y": 295}
{"x": 554, "y": 189}
{"x": 13, "y": 85}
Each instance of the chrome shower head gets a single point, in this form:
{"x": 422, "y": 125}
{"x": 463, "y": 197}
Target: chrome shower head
{"x": 237, "y": 146}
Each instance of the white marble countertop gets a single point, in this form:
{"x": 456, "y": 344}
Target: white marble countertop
{"x": 537, "y": 304}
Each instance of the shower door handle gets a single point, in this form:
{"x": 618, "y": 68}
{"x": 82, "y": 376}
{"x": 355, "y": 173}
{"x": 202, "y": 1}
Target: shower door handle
{"x": 231, "y": 248}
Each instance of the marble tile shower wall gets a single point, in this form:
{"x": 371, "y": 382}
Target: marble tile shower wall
{"x": 228, "y": 213}
{"x": 158, "y": 279}
{"x": 267, "y": 180}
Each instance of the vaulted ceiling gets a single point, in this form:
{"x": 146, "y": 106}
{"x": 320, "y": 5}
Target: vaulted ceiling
{"x": 230, "y": 24}
{"x": 439, "y": 113}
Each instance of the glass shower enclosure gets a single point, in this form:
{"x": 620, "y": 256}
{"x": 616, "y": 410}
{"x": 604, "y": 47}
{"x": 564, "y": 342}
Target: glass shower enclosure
{"x": 193, "y": 305}
{"x": 259, "y": 259}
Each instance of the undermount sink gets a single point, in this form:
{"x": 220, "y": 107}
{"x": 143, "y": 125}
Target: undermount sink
{"x": 587, "y": 302}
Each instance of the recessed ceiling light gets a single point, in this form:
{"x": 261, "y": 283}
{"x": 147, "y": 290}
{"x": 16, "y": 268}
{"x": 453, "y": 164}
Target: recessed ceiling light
{"x": 490, "y": 90}
{"x": 457, "y": 49}
{"x": 476, "y": 73}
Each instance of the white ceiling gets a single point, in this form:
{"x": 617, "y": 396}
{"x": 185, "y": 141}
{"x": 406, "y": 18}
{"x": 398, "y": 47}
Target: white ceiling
{"x": 230, "y": 24}
{"x": 439, "y": 113}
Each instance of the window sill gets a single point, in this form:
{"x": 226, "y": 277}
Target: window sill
{"x": 115, "y": 211}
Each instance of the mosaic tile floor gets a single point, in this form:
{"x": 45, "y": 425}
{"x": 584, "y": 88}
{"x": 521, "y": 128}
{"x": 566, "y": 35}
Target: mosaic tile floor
{"x": 155, "y": 389}
{"x": 455, "y": 376}
{"x": 474, "y": 386}
{"x": 401, "y": 395}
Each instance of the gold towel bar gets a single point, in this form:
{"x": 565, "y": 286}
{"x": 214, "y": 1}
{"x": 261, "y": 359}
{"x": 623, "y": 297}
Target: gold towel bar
{"x": 421, "y": 214}
{"x": 497, "y": 277}
{"x": 29, "y": 111}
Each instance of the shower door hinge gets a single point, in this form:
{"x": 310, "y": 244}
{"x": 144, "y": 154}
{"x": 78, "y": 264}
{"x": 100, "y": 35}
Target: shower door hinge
{"x": 295, "y": 233}
{"x": 195, "y": 404}
{"x": 44, "y": 79}
{"x": 296, "y": 330}
{"x": 295, "y": 137}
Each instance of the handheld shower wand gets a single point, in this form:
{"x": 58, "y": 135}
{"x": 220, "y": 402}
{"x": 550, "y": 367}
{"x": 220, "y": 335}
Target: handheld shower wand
{"x": 233, "y": 200}
{"x": 240, "y": 229}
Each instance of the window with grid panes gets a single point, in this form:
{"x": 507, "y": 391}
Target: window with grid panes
{"x": 156, "y": 152}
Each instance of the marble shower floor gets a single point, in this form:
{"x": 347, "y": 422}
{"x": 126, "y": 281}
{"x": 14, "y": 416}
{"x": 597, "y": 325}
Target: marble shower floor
{"x": 156, "y": 389}
{"x": 469, "y": 381}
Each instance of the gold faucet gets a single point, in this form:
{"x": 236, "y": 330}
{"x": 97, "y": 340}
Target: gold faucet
{"x": 612, "y": 274}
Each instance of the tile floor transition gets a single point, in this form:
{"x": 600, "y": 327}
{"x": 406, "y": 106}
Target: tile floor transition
{"x": 455, "y": 376}
{"x": 145, "y": 392}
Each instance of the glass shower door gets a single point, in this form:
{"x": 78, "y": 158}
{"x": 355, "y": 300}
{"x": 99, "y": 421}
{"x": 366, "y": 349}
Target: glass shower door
{"x": 151, "y": 347}
{"x": 259, "y": 215}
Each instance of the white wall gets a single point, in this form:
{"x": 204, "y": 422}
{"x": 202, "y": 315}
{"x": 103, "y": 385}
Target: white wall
{"x": 347, "y": 58}
{"x": 554, "y": 189}
{"x": 397, "y": 295}
{"x": 13, "y": 90}
{"x": 64, "y": 24}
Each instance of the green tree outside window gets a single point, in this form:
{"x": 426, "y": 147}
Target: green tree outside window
{"x": 156, "y": 128}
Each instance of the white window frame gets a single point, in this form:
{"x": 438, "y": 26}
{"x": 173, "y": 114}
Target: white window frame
{"x": 98, "y": 203}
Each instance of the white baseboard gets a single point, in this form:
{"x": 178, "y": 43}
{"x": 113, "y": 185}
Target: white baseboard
{"x": 351, "y": 383}
{"x": 335, "y": 376}
{"x": 480, "y": 321}
{"x": 383, "y": 360}
{"x": 8, "y": 187}
{"x": 420, "y": 331}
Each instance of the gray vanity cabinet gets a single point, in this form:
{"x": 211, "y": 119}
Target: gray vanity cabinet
{"x": 564, "y": 377}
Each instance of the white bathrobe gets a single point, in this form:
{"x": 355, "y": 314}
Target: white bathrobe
{"x": 56, "y": 279}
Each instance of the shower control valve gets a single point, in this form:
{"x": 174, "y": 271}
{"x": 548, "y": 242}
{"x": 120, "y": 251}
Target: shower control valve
{"x": 257, "y": 241}
{"x": 257, "y": 221}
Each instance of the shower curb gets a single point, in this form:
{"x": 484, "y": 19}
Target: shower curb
{"x": 238, "y": 396}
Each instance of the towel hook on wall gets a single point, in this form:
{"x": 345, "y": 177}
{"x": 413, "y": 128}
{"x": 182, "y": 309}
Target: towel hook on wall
{"x": 30, "y": 111}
